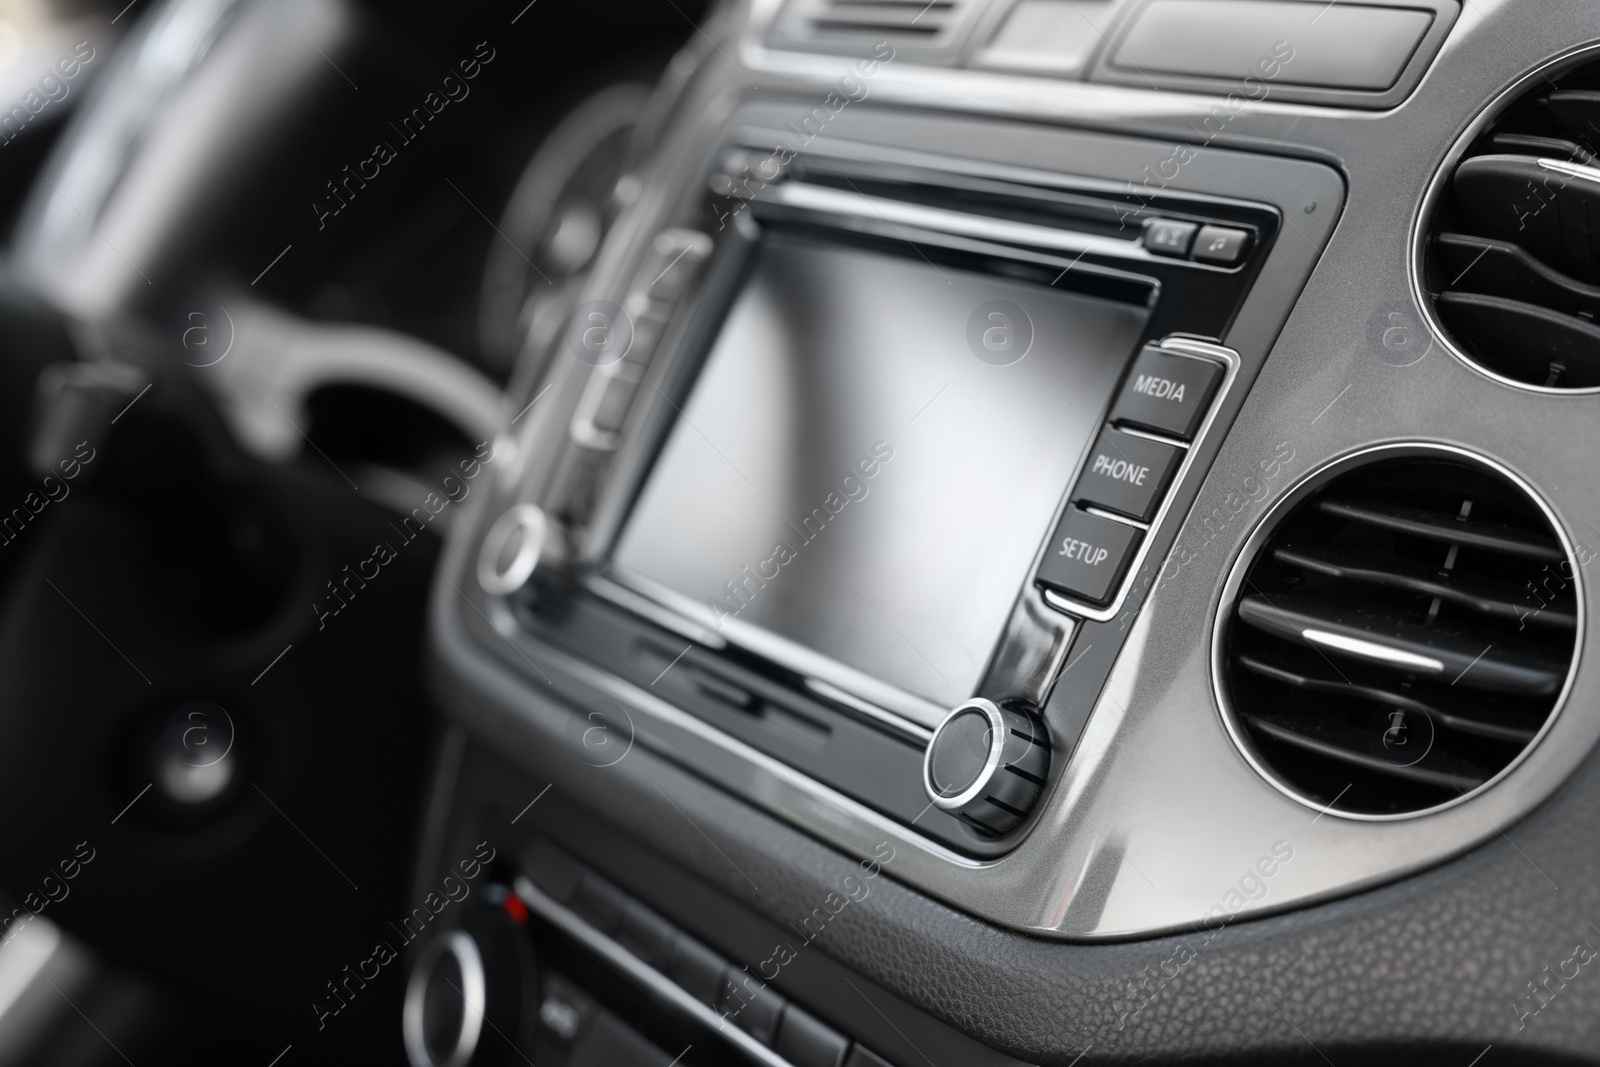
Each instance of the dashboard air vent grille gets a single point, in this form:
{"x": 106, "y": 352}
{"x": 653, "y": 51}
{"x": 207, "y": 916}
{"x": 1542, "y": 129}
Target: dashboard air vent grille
{"x": 927, "y": 28}
{"x": 1401, "y": 637}
{"x": 1512, "y": 254}
{"x": 882, "y": 18}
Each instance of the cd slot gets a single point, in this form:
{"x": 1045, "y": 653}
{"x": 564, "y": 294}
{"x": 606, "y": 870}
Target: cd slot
{"x": 854, "y": 206}
{"x": 1069, "y": 263}
{"x": 1103, "y": 216}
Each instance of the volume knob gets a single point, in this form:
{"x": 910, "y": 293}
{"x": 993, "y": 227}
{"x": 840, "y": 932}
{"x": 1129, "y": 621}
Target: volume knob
{"x": 987, "y": 765}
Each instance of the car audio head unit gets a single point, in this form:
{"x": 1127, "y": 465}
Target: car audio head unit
{"x": 865, "y": 440}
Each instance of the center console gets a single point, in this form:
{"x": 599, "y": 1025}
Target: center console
{"x": 867, "y": 438}
{"x": 888, "y": 500}
{"x": 842, "y": 489}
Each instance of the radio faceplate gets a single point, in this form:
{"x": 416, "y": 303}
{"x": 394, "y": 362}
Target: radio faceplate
{"x": 1120, "y": 738}
{"x": 799, "y": 305}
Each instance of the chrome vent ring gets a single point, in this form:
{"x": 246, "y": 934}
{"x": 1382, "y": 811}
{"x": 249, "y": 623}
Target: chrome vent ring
{"x": 1508, "y": 261}
{"x": 1400, "y": 632}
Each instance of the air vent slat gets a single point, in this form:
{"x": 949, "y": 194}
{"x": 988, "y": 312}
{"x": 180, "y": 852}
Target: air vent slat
{"x": 1545, "y": 209}
{"x": 894, "y": 18}
{"x": 1534, "y": 145}
{"x": 916, "y": 22}
{"x": 867, "y": 25}
{"x": 1402, "y": 635}
{"x": 1421, "y": 522}
{"x": 1460, "y": 783}
{"x": 1511, "y": 249}
{"x": 1500, "y": 600}
{"x": 1541, "y": 346}
{"x": 1388, "y": 698}
{"x": 1392, "y": 642}
{"x": 1578, "y": 110}
{"x": 1499, "y": 268}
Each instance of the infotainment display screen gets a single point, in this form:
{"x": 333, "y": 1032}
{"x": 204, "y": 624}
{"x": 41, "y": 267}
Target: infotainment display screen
{"x": 871, "y": 456}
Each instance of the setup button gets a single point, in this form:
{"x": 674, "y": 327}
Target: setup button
{"x": 1088, "y": 556}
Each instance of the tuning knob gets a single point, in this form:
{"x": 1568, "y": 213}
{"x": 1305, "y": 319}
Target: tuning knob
{"x": 986, "y": 765}
{"x": 467, "y": 994}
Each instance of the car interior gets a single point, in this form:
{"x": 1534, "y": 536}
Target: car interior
{"x": 799, "y": 533}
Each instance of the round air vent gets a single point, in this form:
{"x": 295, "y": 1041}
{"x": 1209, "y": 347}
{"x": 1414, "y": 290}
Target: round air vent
{"x": 1401, "y": 634}
{"x": 1510, "y": 246}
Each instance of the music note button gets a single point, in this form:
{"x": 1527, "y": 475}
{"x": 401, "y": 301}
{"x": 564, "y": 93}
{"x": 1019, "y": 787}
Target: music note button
{"x": 1221, "y": 245}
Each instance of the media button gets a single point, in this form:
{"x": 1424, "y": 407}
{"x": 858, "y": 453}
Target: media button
{"x": 1088, "y": 556}
{"x": 1167, "y": 393}
{"x": 1127, "y": 474}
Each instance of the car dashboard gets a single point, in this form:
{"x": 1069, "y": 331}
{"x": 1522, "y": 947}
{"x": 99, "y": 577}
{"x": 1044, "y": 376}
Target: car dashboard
{"x": 968, "y": 532}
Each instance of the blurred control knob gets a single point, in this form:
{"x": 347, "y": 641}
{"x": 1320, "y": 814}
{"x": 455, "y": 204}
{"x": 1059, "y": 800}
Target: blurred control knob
{"x": 465, "y": 998}
{"x": 194, "y": 759}
{"x": 521, "y": 542}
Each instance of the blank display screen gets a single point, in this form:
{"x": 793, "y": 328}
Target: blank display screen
{"x": 872, "y": 455}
